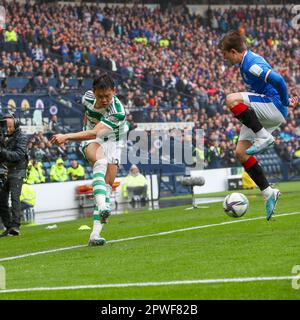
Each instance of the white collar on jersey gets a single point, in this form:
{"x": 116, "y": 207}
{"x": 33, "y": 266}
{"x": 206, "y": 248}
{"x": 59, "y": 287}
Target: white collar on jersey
{"x": 244, "y": 57}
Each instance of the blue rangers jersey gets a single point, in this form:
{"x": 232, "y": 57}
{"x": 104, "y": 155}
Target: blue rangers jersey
{"x": 260, "y": 78}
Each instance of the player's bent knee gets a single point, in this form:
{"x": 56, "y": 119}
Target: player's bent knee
{"x": 230, "y": 99}
{"x": 233, "y": 99}
{"x": 100, "y": 163}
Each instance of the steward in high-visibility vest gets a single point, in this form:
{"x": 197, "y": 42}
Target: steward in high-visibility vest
{"x": 34, "y": 173}
{"x": 235, "y": 139}
{"x": 164, "y": 42}
{"x": 297, "y": 154}
{"x": 58, "y": 172}
{"x": 76, "y": 171}
{"x": 199, "y": 155}
{"x": 39, "y": 168}
{"x": 10, "y": 35}
{"x": 28, "y": 195}
{"x": 142, "y": 40}
{"x": 134, "y": 179}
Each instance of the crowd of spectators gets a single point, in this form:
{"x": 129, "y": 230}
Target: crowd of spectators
{"x": 41, "y": 152}
{"x": 166, "y": 63}
{"x": 41, "y": 149}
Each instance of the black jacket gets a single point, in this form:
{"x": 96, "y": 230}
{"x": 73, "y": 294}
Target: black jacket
{"x": 13, "y": 153}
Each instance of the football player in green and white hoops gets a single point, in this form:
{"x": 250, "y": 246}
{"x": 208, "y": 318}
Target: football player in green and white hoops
{"x": 104, "y": 126}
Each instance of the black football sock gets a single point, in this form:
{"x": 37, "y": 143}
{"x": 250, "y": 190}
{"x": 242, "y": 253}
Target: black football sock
{"x": 247, "y": 117}
{"x": 256, "y": 173}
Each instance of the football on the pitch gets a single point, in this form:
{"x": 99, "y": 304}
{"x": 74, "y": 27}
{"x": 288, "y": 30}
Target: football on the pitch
{"x": 236, "y": 205}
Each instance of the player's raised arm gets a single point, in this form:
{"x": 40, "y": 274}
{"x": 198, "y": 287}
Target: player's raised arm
{"x": 99, "y": 130}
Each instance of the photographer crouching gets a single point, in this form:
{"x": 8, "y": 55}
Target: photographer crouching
{"x": 13, "y": 164}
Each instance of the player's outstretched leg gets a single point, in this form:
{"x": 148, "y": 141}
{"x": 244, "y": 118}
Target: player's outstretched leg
{"x": 255, "y": 171}
{"x": 249, "y": 118}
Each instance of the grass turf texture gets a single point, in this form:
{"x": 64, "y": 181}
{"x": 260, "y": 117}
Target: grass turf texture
{"x": 250, "y": 249}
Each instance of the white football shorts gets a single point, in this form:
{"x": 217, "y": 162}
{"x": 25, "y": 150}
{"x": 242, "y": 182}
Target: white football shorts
{"x": 268, "y": 114}
{"x": 112, "y": 149}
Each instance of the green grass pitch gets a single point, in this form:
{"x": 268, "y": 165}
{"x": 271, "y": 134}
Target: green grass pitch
{"x": 254, "y": 248}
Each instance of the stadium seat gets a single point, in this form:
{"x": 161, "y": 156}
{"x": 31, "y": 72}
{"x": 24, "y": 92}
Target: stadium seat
{"x": 67, "y": 163}
{"x": 92, "y": 59}
{"x": 72, "y": 156}
{"x": 16, "y": 83}
{"x": 46, "y": 165}
{"x": 48, "y": 172}
{"x": 73, "y": 83}
{"x": 89, "y": 175}
{"x": 87, "y": 83}
{"x": 88, "y": 169}
{"x": 52, "y": 82}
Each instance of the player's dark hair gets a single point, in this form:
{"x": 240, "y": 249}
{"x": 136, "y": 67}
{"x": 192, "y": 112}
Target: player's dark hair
{"x": 233, "y": 40}
{"x": 104, "y": 81}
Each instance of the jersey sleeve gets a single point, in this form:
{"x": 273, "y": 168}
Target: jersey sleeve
{"x": 265, "y": 72}
{"x": 260, "y": 70}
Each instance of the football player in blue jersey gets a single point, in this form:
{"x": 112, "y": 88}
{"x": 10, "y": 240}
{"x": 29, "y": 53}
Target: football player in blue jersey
{"x": 261, "y": 110}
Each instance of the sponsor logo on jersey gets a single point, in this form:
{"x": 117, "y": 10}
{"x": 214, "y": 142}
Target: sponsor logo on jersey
{"x": 112, "y": 119}
{"x": 256, "y": 70}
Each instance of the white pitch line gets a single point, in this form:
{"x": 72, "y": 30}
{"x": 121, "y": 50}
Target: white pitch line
{"x": 197, "y": 227}
{"x": 153, "y": 284}
{"x": 25, "y": 255}
{"x": 145, "y": 236}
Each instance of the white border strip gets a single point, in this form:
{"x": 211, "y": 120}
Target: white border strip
{"x": 267, "y": 74}
{"x": 145, "y": 236}
{"x": 152, "y": 284}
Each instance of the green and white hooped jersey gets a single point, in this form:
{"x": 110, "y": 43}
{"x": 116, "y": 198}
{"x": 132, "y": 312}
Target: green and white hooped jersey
{"x": 113, "y": 116}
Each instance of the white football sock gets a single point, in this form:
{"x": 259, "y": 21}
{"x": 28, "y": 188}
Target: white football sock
{"x": 99, "y": 185}
{"x": 267, "y": 192}
{"x": 262, "y": 133}
{"x": 97, "y": 226}
{"x": 108, "y": 193}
